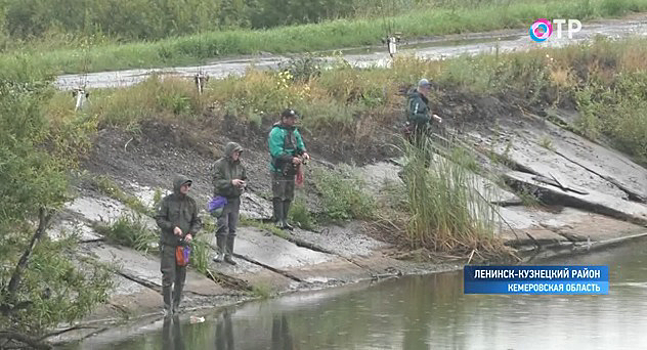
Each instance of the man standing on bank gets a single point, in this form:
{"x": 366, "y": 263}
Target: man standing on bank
{"x": 287, "y": 151}
{"x": 418, "y": 112}
{"x": 228, "y": 181}
{"x": 177, "y": 217}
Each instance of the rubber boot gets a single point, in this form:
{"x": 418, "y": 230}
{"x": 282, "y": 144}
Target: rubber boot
{"x": 230, "y": 250}
{"x": 286, "y": 210}
{"x": 178, "y": 287}
{"x": 177, "y": 297}
{"x": 167, "y": 293}
{"x": 220, "y": 242}
{"x": 278, "y": 212}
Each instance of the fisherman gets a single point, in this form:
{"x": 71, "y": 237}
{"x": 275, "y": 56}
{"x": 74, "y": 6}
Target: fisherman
{"x": 418, "y": 120}
{"x": 229, "y": 181}
{"x": 418, "y": 112}
{"x": 287, "y": 152}
{"x": 177, "y": 217}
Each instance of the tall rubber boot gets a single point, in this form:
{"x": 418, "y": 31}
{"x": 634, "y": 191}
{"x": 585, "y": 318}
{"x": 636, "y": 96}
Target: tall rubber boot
{"x": 177, "y": 296}
{"x": 286, "y": 210}
{"x": 220, "y": 242}
{"x": 278, "y": 212}
{"x": 230, "y": 250}
{"x": 167, "y": 293}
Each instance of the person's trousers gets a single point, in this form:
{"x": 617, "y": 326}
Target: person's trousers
{"x": 282, "y": 194}
{"x": 226, "y": 227}
{"x": 228, "y": 221}
{"x": 421, "y": 140}
{"x": 173, "y": 278}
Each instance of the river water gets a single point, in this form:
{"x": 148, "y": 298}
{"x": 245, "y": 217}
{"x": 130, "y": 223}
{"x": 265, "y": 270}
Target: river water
{"x": 422, "y": 312}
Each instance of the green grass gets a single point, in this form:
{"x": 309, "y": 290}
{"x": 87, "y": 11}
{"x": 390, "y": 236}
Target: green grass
{"x": 129, "y": 231}
{"x": 546, "y": 143}
{"x": 447, "y": 213}
{"x": 262, "y": 291}
{"x": 201, "y": 253}
{"x": 604, "y": 79}
{"x": 343, "y": 195}
{"x": 263, "y": 226}
{"x": 300, "y": 214}
{"x": 198, "y": 48}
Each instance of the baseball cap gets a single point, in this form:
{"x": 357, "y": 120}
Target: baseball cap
{"x": 424, "y": 82}
{"x": 289, "y": 113}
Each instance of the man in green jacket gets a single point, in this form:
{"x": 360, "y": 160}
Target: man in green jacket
{"x": 177, "y": 217}
{"x": 287, "y": 151}
{"x": 228, "y": 181}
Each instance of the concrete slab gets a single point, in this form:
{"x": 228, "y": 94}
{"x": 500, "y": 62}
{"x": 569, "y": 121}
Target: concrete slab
{"x": 335, "y": 271}
{"x": 493, "y": 193}
{"x": 99, "y": 209}
{"x": 346, "y": 241}
{"x": 146, "y": 194}
{"x": 595, "y": 227}
{"x": 532, "y": 237}
{"x": 539, "y": 160}
{"x": 609, "y": 164}
{"x": 274, "y": 251}
{"x": 146, "y": 270}
{"x": 66, "y": 228}
{"x": 569, "y": 224}
{"x": 254, "y": 275}
{"x": 289, "y": 260}
{"x": 594, "y": 201}
{"x": 379, "y": 174}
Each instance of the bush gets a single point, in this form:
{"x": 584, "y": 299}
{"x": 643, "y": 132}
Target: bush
{"x": 40, "y": 286}
{"x": 343, "y": 195}
{"x": 300, "y": 215}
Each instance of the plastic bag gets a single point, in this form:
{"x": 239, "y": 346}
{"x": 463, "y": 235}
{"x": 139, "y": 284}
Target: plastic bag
{"x": 182, "y": 254}
{"x": 299, "y": 179}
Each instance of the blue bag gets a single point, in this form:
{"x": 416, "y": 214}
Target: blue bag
{"x": 216, "y": 206}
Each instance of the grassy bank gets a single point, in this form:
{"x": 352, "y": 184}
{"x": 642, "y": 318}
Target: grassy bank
{"x": 342, "y": 107}
{"x": 195, "y": 49}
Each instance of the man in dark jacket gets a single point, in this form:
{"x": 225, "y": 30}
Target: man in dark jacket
{"x": 228, "y": 181}
{"x": 419, "y": 119}
{"x": 418, "y": 111}
{"x": 178, "y": 220}
{"x": 287, "y": 151}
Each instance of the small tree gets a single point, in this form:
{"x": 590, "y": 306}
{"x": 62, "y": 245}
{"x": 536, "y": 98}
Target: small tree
{"x": 41, "y": 285}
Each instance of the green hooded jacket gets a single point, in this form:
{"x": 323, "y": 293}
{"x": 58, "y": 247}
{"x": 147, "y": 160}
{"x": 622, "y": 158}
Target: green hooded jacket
{"x": 177, "y": 210}
{"x": 417, "y": 108}
{"x": 226, "y": 169}
{"x": 285, "y": 143}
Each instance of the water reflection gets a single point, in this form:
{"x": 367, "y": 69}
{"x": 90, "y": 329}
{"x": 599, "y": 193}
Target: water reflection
{"x": 281, "y": 338}
{"x": 224, "y": 332}
{"x": 172, "y": 334}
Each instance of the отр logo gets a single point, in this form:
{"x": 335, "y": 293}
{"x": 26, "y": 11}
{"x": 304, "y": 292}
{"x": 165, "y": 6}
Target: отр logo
{"x": 540, "y": 30}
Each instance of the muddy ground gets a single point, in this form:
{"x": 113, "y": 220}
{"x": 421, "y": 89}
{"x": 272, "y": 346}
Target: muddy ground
{"x": 589, "y": 196}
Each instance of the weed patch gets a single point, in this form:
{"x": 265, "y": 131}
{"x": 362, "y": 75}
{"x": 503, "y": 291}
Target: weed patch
{"x": 129, "y": 231}
{"x": 343, "y": 195}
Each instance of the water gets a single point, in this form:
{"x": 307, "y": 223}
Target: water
{"x": 421, "y": 312}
